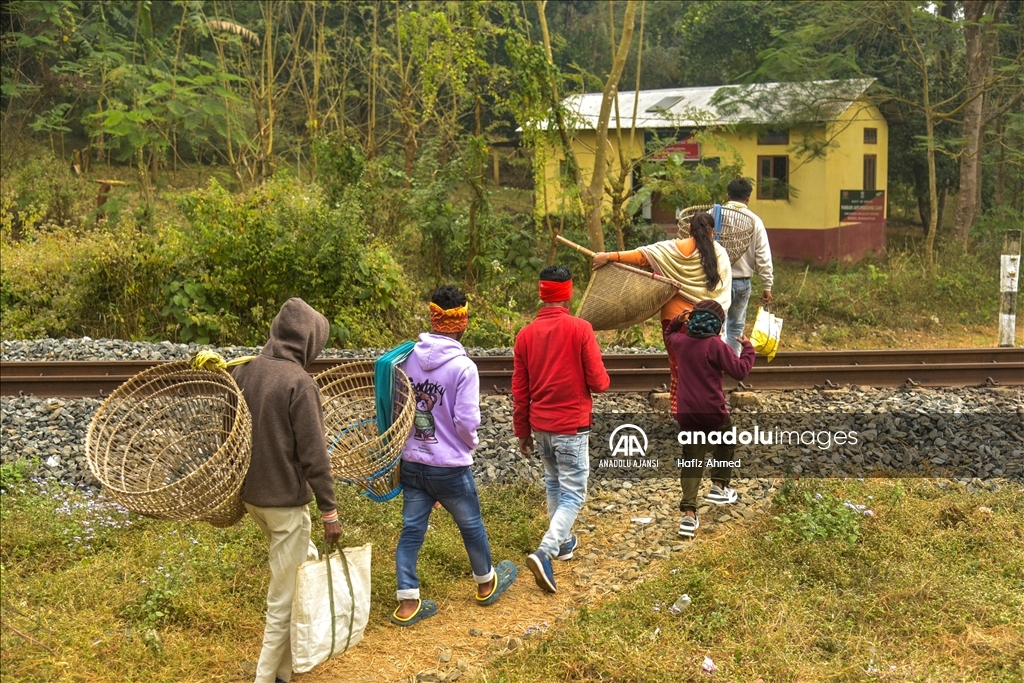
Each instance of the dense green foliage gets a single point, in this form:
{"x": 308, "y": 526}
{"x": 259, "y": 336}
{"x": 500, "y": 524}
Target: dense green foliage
{"x": 343, "y": 152}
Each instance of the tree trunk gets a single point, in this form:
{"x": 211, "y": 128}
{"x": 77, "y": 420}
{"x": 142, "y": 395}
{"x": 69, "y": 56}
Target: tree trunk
{"x": 933, "y": 193}
{"x": 940, "y": 214}
{"x": 978, "y": 49}
{"x": 572, "y": 165}
{"x": 595, "y": 191}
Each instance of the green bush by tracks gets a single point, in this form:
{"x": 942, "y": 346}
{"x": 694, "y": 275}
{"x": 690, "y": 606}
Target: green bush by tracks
{"x": 220, "y": 278}
{"x": 252, "y": 252}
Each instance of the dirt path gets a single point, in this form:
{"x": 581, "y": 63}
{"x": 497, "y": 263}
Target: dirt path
{"x": 614, "y": 549}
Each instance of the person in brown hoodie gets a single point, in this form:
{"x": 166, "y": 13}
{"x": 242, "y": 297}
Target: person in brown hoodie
{"x": 289, "y": 465}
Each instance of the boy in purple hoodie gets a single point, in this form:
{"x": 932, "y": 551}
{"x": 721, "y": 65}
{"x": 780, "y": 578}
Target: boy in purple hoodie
{"x": 437, "y": 457}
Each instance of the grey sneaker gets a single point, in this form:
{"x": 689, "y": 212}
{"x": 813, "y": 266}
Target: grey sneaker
{"x": 688, "y": 526}
{"x": 722, "y": 495}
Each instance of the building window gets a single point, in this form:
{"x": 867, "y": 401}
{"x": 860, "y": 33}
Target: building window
{"x": 772, "y": 177}
{"x": 870, "y": 136}
{"x": 773, "y": 137}
{"x": 870, "y": 166}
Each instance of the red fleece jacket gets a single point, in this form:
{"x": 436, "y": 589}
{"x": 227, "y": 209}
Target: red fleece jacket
{"x": 557, "y": 363}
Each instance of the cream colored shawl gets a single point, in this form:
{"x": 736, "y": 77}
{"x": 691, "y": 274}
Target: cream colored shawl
{"x": 666, "y": 259}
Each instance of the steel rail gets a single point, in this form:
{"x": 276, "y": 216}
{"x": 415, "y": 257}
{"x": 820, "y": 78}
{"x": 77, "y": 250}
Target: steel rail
{"x": 629, "y": 372}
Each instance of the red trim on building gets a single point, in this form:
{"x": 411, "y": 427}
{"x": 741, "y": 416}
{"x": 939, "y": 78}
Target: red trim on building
{"x": 850, "y": 242}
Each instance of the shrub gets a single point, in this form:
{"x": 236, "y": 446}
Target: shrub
{"x": 251, "y": 252}
{"x": 103, "y": 283}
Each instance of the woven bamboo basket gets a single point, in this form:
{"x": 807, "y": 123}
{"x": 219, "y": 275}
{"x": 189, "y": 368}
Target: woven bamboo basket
{"x": 359, "y": 454}
{"x": 737, "y": 229}
{"x": 174, "y": 443}
{"x": 619, "y": 296}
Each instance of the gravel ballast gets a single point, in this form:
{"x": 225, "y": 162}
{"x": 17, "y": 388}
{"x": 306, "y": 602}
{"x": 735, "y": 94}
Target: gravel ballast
{"x": 975, "y": 431}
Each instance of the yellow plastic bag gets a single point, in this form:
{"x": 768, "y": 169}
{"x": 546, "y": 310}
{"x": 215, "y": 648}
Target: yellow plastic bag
{"x": 765, "y": 335}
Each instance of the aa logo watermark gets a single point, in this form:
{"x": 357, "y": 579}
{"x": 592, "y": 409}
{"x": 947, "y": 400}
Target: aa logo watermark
{"x": 628, "y": 444}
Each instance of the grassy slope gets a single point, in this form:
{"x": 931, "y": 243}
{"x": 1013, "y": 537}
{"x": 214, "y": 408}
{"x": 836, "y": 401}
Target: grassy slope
{"x": 141, "y": 600}
{"x": 933, "y": 590}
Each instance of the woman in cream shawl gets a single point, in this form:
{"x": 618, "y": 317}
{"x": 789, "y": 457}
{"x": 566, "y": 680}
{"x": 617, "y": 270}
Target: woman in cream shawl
{"x": 699, "y": 264}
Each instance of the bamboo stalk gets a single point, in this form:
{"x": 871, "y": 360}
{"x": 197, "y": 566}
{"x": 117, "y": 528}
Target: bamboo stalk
{"x": 639, "y": 271}
{"x": 25, "y": 636}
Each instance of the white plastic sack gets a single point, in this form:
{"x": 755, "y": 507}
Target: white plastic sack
{"x": 311, "y": 607}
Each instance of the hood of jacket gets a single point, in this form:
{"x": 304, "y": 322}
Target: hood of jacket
{"x": 434, "y": 350}
{"x": 298, "y": 333}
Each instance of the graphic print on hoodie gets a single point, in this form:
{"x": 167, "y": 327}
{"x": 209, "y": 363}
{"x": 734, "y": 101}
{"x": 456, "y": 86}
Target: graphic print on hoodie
{"x": 447, "y": 388}
{"x": 428, "y": 395}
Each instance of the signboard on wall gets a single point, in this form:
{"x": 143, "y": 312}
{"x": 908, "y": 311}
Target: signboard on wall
{"x": 683, "y": 144}
{"x": 861, "y": 206}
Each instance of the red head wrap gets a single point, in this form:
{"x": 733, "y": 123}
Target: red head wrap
{"x": 451, "y": 320}
{"x": 552, "y": 292}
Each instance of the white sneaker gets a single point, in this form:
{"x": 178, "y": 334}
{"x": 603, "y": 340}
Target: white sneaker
{"x": 722, "y": 495}
{"x": 688, "y": 526}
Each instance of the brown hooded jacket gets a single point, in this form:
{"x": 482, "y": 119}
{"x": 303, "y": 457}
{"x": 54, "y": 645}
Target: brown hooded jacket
{"x": 289, "y": 451}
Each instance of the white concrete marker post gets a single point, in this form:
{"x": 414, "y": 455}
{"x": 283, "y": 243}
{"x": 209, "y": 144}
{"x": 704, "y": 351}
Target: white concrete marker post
{"x": 1009, "y": 267}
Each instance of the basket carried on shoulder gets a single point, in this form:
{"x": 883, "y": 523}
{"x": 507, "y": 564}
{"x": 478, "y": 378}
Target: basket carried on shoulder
{"x": 359, "y": 453}
{"x": 737, "y": 228}
{"x": 174, "y": 443}
{"x": 619, "y": 295}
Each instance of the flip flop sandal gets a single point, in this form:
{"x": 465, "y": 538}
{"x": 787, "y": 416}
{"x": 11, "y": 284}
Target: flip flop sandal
{"x": 424, "y": 610}
{"x": 505, "y": 575}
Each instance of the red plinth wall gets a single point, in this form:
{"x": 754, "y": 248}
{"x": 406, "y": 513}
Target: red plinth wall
{"x": 849, "y": 242}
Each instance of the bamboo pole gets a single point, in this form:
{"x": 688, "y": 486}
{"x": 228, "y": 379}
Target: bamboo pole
{"x": 646, "y": 273}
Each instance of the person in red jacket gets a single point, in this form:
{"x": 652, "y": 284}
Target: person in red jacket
{"x": 701, "y": 358}
{"x": 556, "y": 364}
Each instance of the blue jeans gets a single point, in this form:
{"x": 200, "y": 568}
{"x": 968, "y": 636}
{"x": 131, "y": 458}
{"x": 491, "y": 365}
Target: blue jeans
{"x": 566, "y": 460}
{"x": 455, "y": 489}
{"x": 737, "y": 317}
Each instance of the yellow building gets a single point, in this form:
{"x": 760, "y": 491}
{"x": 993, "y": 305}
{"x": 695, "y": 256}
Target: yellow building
{"x": 838, "y": 208}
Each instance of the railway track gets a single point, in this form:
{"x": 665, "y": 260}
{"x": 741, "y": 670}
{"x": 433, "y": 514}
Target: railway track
{"x": 629, "y": 372}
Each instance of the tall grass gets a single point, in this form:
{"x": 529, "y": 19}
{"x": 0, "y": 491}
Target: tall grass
{"x": 109, "y": 596}
{"x": 929, "y": 587}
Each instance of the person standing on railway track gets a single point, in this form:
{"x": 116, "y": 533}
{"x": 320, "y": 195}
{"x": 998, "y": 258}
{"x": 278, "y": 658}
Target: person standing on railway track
{"x": 758, "y": 254}
{"x": 698, "y": 263}
{"x": 436, "y": 458}
{"x": 556, "y": 365}
{"x": 693, "y": 338}
{"x": 289, "y": 465}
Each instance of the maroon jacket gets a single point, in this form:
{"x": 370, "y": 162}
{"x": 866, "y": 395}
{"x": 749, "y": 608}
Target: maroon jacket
{"x": 700, "y": 403}
{"x": 289, "y": 449}
{"x": 556, "y": 364}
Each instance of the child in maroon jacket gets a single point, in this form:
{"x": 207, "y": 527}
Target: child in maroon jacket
{"x": 702, "y": 357}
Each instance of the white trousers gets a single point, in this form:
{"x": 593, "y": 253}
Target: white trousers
{"x": 287, "y": 529}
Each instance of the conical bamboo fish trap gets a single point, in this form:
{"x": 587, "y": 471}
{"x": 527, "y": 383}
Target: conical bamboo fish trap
{"x": 359, "y": 453}
{"x": 174, "y": 443}
{"x": 735, "y": 235}
{"x": 618, "y": 296}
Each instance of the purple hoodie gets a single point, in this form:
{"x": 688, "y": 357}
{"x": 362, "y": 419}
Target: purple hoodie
{"x": 447, "y": 388}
